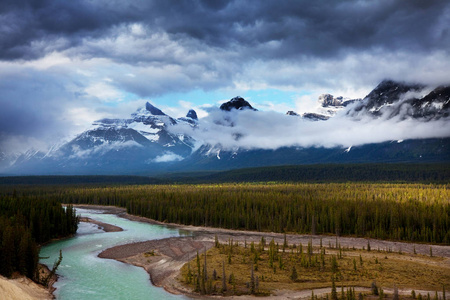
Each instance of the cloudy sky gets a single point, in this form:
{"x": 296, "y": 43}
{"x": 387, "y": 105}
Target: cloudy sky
{"x": 64, "y": 64}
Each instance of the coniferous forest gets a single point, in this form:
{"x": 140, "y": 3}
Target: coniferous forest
{"x": 404, "y": 212}
{"x": 27, "y": 221}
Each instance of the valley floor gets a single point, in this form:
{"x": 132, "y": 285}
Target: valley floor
{"x": 163, "y": 259}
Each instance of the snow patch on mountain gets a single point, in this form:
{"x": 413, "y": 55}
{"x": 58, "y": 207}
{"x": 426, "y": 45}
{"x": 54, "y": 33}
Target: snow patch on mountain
{"x": 147, "y": 131}
{"x": 102, "y": 149}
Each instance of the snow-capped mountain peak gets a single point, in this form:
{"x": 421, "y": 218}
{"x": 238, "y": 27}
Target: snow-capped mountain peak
{"x": 238, "y": 103}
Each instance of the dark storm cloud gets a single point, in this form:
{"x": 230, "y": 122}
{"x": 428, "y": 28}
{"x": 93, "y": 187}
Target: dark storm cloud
{"x": 30, "y": 29}
{"x": 33, "y": 110}
{"x": 60, "y": 61}
{"x": 265, "y": 29}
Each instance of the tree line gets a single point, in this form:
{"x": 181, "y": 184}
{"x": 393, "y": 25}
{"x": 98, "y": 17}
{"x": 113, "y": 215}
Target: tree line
{"x": 27, "y": 221}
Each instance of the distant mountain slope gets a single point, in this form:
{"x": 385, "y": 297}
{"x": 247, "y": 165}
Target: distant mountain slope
{"x": 412, "y": 151}
{"x": 426, "y": 173}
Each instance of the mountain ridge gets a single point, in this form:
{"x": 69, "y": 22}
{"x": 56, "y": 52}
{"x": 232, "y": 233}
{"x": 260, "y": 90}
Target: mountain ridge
{"x": 147, "y": 141}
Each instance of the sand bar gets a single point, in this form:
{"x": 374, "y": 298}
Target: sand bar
{"x": 103, "y": 226}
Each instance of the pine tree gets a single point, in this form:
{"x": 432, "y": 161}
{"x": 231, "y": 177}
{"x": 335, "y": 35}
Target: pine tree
{"x": 22, "y": 254}
{"x": 205, "y": 269}
{"x": 294, "y": 275}
{"x": 53, "y": 271}
{"x": 188, "y": 277}
{"x": 395, "y": 293}
{"x": 285, "y": 244}
{"x": 334, "y": 264}
{"x": 333, "y": 289}
{"x": 216, "y": 241}
{"x": 313, "y": 225}
{"x": 374, "y": 288}
{"x": 252, "y": 281}
{"x": 224, "y": 278}
{"x": 8, "y": 252}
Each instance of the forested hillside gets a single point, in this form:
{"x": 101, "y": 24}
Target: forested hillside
{"x": 25, "y": 222}
{"x": 425, "y": 173}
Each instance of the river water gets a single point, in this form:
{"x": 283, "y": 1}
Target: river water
{"x": 82, "y": 275}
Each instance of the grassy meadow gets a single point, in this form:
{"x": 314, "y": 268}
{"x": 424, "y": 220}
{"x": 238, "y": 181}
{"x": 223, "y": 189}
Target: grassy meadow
{"x": 300, "y": 267}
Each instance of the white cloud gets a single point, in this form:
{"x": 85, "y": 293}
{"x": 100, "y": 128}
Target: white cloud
{"x": 17, "y": 144}
{"x": 271, "y": 130}
{"x": 352, "y": 75}
{"x": 104, "y": 92}
{"x": 167, "y": 157}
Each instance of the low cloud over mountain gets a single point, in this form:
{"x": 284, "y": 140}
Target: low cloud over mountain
{"x": 392, "y": 111}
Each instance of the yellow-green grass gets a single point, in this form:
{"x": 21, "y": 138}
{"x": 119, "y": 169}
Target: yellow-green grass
{"x": 406, "y": 271}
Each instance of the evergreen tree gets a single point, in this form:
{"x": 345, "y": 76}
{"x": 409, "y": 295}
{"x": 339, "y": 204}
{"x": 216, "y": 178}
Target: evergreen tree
{"x": 333, "y": 289}
{"x": 224, "y": 278}
{"x": 374, "y": 288}
{"x": 294, "y": 275}
{"x": 395, "y": 297}
{"x": 252, "y": 282}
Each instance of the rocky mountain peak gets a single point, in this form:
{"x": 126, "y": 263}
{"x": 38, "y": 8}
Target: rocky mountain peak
{"x": 389, "y": 91}
{"x": 292, "y": 113}
{"x": 153, "y": 110}
{"x": 329, "y": 100}
{"x": 192, "y": 114}
{"x": 236, "y": 103}
{"x": 315, "y": 117}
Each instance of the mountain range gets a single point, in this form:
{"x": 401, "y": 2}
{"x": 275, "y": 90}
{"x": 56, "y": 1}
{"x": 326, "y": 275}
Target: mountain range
{"x": 151, "y": 142}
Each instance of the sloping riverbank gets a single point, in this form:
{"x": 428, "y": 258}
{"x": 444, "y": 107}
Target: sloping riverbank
{"x": 22, "y": 289}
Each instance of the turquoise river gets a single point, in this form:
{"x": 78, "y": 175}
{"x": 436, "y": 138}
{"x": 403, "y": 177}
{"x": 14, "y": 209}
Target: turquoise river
{"x": 82, "y": 275}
